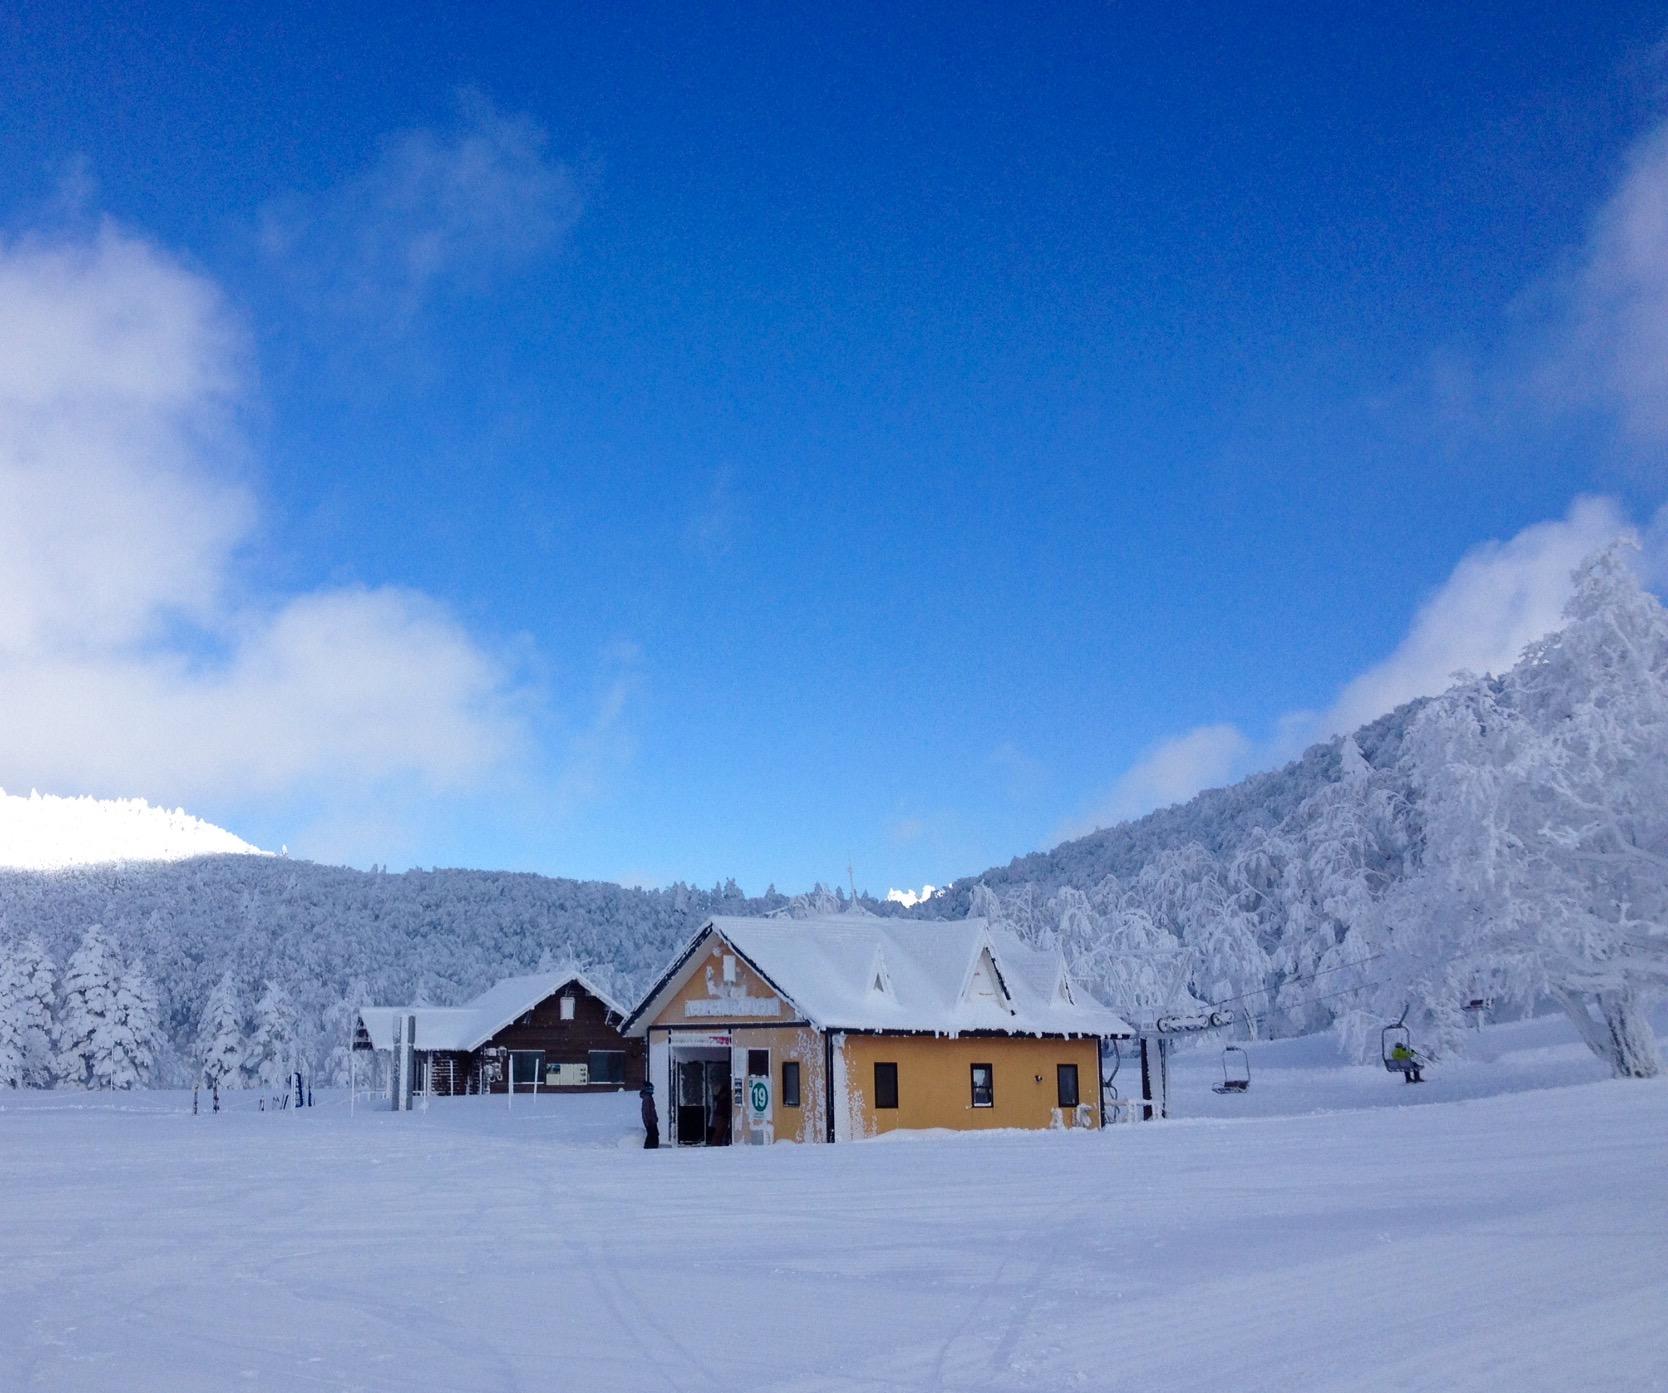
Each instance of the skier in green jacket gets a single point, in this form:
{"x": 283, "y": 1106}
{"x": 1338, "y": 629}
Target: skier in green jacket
{"x": 1412, "y": 1065}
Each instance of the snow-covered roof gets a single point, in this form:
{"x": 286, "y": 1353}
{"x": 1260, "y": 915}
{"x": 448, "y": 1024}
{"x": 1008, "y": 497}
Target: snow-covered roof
{"x": 471, "y": 1025}
{"x": 862, "y": 972}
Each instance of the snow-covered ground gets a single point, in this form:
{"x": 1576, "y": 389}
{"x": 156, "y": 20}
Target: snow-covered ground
{"x": 1515, "y": 1241}
{"x": 1308, "y": 1074}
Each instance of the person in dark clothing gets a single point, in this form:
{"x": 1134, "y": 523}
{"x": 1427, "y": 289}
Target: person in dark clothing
{"x": 651, "y": 1118}
{"x": 718, "y": 1131}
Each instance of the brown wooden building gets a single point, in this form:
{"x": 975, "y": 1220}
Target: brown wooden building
{"x": 550, "y": 1031}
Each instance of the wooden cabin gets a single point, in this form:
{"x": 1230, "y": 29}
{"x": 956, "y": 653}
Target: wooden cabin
{"x": 546, "y": 1032}
{"x": 821, "y": 1030}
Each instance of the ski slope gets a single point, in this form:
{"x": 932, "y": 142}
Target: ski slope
{"x": 1514, "y": 1242}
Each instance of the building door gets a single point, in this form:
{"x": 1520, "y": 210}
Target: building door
{"x": 720, "y": 1109}
{"x": 703, "y": 1100}
{"x": 692, "y": 1108}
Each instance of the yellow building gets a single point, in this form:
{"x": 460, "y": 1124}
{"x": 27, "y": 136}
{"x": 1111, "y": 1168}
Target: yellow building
{"x": 828, "y": 1029}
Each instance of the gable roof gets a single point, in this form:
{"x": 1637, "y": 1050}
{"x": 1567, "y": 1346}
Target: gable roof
{"x": 825, "y": 968}
{"x": 471, "y": 1025}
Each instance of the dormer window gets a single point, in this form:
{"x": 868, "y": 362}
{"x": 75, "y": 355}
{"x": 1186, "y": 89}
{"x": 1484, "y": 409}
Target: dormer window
{"x": 985, "y": 985}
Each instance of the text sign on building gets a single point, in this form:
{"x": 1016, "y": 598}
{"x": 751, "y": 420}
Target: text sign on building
{"x": 758, "y": 1099}
{"x": 733, "y": 1006}
{"x": 684, "y": 1039}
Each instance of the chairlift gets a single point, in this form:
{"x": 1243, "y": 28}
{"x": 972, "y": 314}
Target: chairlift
{"x": 1236, "y": 1071}
{"x": 1398, "y": 1037}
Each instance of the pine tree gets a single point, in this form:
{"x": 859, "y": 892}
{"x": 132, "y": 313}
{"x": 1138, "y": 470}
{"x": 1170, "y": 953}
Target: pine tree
{"x": 220, "y": 1048}
{"x": 11, "y": 1017}
{"x": 340, "y": 1023}
{"x": 128, "y": 1059}
{"x": 273, "y": 1051}
{"x": 86, "y": 1016}
{"x": 37, "y": 988}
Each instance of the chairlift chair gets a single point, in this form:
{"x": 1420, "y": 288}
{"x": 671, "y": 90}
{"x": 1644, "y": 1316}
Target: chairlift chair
{"x": 1397, "y": 1036}
{"x": 1236, "y": 1071}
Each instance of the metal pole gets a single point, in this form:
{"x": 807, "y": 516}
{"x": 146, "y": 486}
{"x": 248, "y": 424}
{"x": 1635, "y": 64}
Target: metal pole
{"x": 1155, "y": 1077}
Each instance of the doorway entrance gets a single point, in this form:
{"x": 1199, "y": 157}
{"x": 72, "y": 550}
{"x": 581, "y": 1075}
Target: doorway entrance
{"x": 701, "y": 1078}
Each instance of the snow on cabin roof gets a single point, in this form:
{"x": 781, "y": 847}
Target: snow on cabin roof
{"x": 862, "y": 972}
{"x": 471, "y": 1025}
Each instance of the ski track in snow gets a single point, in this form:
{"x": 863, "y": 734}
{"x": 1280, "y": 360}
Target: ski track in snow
{"x": 1511, "y": 1242}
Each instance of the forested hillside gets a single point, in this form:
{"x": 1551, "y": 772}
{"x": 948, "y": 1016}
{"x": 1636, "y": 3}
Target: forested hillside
{"x": 329, "y": 937}
{"x": 1505, "y": 842}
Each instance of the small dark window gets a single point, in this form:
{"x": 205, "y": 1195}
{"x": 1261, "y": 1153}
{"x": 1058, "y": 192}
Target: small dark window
{"x": 790, "y": 1083}
{"x": 1066, "y": 1078}
{"x": 526, "y": 1067}
{"x": 758, "y": 1064}
{"x": 984, "y": 1086}
{"x": 886, "y": 1085}
{"x": 606, "y": 1066}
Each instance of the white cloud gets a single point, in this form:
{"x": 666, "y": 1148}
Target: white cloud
{"x": 1171, "y": 772}
{"x": 1610, "y": 343}
{"x": 1500, "y": 597}
{"x": 435, "y": 208}
{"x": 910, "y": 898}
{"x": 117, "y": 373}
{"x": 132, "y": 659}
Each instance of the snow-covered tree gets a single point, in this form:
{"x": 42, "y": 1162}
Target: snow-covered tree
{"x": 342, "y": 1019}
{"x": 128, "y": 1056}
{"x": 817, "y": 903}
{"x": 11, "y": 1019}
{"x": 220, "y": 1047}
{"x": 28, "y": 989}
{"x": 85, "y": 1017}
{"x": 1546, "y": 820}
{"x": 273, "y": 1053}
{"x": 1139, "y": 968}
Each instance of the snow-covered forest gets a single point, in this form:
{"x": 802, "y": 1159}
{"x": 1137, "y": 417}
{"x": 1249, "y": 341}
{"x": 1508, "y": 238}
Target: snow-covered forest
{"x": 1506, "y": 841}
{"x": 258, "y": 960}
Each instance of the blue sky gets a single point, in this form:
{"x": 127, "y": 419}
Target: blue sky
{"x": 658, "y": 446}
